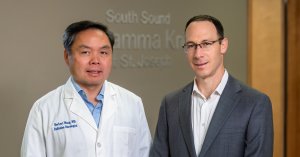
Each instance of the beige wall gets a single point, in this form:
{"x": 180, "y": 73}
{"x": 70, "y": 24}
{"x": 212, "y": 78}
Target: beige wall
{"x": 32, "y": 52}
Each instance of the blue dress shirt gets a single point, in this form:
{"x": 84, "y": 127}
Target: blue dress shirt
{"x": 95, "y": 111}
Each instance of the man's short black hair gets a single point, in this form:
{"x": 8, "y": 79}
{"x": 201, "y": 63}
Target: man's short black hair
{"x": 73, "y": 29}
{"x": 209, "y": 18}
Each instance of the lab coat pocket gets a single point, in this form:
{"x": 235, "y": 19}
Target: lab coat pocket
{"x": 124, "y": 141}
{"x": 55, "y": 141}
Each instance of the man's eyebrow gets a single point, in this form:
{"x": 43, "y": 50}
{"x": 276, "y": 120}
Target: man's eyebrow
{"x": 87, "y": 47}
{"x": 84, "y": 46}
{"x": 205, "y": 40}
{"x": 105, "y": 47}
{"x": 190, "y": 42}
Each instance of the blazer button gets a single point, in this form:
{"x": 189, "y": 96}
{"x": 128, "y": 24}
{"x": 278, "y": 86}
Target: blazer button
{"x": 98, "y": 144}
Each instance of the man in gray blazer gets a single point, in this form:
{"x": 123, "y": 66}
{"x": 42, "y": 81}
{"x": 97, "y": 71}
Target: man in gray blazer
{"x": 215, "y": 115}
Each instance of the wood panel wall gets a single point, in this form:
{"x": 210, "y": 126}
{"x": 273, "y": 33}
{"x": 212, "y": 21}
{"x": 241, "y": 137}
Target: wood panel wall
{"x": 293, "y": 78}
{"x": 266, "y": 59}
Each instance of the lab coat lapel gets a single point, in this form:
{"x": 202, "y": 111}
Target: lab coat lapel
{"x": 109, "y": 108}
{"x": 228, "y": 100}
{"x": 77, "y": 105}
{"x": 185, "y": 118}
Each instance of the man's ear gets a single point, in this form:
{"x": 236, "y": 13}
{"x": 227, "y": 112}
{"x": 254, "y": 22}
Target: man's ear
{"x": 224, "y": 45}
{"x": 66, "y": 56}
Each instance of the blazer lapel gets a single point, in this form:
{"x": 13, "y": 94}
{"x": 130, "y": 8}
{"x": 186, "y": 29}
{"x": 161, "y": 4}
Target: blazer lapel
{"x": 185, "y": 118}
{"x": 77, "y": 105}
{"x": 227, "y": 102}
{"x": 110, "y": 106}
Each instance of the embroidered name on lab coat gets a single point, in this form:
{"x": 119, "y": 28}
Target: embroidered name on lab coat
{"x": 65, "y": 124}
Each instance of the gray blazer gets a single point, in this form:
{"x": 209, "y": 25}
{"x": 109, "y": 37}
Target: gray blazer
{"x": 242, "y": 125}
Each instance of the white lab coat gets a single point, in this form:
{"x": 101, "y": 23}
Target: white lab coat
{"x": 60, "y": 125}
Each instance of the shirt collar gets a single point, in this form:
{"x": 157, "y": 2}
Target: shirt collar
{"x": 223, "y": 83}
{"x": 79, "y": 89}
{"x": 219, "y": 88}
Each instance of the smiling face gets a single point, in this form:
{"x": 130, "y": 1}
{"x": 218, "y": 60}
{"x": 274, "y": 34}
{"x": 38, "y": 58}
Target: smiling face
{"x": 90, "y": 59}
{"x": 208, "y": 63}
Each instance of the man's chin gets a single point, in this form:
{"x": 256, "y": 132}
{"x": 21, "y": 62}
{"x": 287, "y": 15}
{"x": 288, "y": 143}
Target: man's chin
{"x": 96, "y": 83}
{"x": 93, "y": 83}
{"x": 202, "y": 75}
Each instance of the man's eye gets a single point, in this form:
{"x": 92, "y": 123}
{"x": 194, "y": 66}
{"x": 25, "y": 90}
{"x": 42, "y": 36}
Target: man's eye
{"x": 190, "y": 46}
{"x": 103, "y": 52}
{"x": 85, "y": 52}
{"x": 206, "y": 44}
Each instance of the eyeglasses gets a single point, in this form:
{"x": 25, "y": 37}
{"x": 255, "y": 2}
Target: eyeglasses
{"x": 205, "y": 46}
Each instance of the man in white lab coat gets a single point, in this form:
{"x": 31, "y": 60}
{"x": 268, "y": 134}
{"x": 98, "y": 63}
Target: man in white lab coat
{"x": 88, "y": 116}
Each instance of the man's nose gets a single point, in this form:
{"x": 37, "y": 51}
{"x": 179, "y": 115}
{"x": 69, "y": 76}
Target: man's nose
{"x": 95, "y": 59}
{"x": 198, "y": 51}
